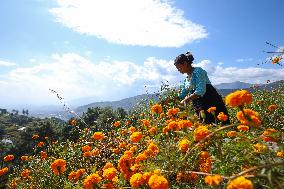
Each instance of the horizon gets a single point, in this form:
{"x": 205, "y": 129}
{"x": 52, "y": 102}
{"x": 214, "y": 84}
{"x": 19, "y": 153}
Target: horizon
{"x": 82, "y": 51}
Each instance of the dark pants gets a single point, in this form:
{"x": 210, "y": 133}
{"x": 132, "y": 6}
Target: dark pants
{"x": 210, "y": 99}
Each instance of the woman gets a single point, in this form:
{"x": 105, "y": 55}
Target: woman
{"x": 198, "y": 89}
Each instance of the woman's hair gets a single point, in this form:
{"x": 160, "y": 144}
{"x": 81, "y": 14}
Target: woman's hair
{"x": 187, "y": 57}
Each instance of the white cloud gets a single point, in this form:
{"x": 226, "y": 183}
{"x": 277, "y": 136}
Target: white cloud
{"x": 244, "y": 60}
{"x": 7, "y": 64}
{"x": 129, "y": 22}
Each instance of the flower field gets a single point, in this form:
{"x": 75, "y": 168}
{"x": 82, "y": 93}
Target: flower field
{"x": 164, "y": 145}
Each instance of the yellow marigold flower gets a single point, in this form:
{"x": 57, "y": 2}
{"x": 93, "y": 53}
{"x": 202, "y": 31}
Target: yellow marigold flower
{"x": 222, "y": 117}
{"x": 211, "y": 110}
{"x": 117, "y": 124}
{"x": 43, "y": 155}
{"x": 157, "y": 108}
{"x": 158, "y": 182}
{"x": 280, "y": 154}
{"x": 58, "y": 163}
{"x": 276, "y": 60}
{"x": 109, "y": 173}
{"x": 231, "y": 133}
{"x": 272, "y": 107}
{"x": 153, "y": 130}
{"x": 173, "y": 111}
{"x": 184, "y": 145}
{"x": 152, "y": 149}
{"x": 238, "y": 98}
{"x": 243, "y": 128}
{"x": 92, "y": 179}
{"x": 240, "y": 182}
{"x": 98, "y": 136}
{"x": 184, "y": 124}
{"x": 200, "y": 133}
{"x": 251, "y": 117}
{"x": 25, "y": 174}
{"x": 86, "y": 148}
{"x": 259, "y": 148}
{"x": 35, "y": 136}
{"x": 213, "y": 180}
{"x": 9, "y": 158}
{"x": 136, "y": 136}
{"x": 136, "y": 180}
{"x": 4, "y": 171}
{"x": 24, "y": 158}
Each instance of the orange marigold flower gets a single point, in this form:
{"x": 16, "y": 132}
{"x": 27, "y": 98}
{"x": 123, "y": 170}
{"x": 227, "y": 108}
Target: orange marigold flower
{"x": 250, "y": 118}
{"x": 117, "y": 124}
{"x": 238, "y": 98}
{"x": 73, "y": 122}
{"x": 87, "y": 154}
{"x": 108, "y": 165}
{"x": 98, "y": 136}
{"x": 86, "y": 148}
{"x": 152, "y": 130}
{"x": 158, "y": 182}
{"x": 200, "y": 133}
{"x": 266, "y": 136}
{"x": 40, "y": 144}
{"x": 141, "y": 157}
{"x": 173, "y": 111}
{"x": 127, "y": 122}
{"x": 146, "y": 176}
{"x": 204, "y": 154}
{"x": 109, "y": 173}
{"x": 157, "y": 108}
{"x": 240, "y": 182}
{"x": 276, "y": 59}
{"x": 136, "y": 180}
{"x": 162, "y": 115}
{"x": 122, "y": 145}
{"x": 280, "y": 154}
{"x": 43, "y": 155}
{"x": 131, "y": 129}
{"x": 243, "y": 128}
{"x": 184, "y": 124}
{"x": 205, "y": 164}
{"x": 272, "y": 107}
{"x": 92, "y": 179}
{"x": 4, "y": 171}
{"x": 136, "y": 136}
{"x": 231, "y": 133}
{"x": 58, "y": 163}
{"x": 211, "y": 110}
{"x": 123, "y": 131}
{"x": 259, "y": 148}
{"x": 115, "y": 150}
{"x": 26, "y": 174}
{"x": 24, "y": 158}
{"x": 173, "y": 125}
{"x": 213, "y": 180}
{"x": 184, "y": 145}
{"x": 145, "y": 122}
{"x": 9, "y": 158}
{"x": 222, "y": 117}
{"x": 35, "y": 136}
{"x": 152, "y": 149}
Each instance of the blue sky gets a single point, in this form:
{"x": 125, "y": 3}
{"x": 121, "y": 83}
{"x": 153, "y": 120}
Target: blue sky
{"x": 109, "y": 50}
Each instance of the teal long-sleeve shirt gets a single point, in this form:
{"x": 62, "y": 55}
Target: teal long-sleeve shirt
{"x": 197, "y": 83}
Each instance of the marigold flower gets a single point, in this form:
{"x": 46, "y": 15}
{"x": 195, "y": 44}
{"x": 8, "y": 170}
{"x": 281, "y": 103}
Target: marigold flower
{"x": 259, "y": 148}
{"x": 238, "y": 98}
{"x": 240, "y": 182}
{"x": 152, "y": 149}
{"x": 40, "y": 144}
{"x": 131, "y": 129}
{"x": 8, "y": 158}
{"x": 152, "y": 130}
{"x": 280, "y": 154}
{"x": 205, "y": 165}
{"x": 184, "y": 145}
{"x": 117, "y": 124}
{"x": 162, "y": 115}
{"x": 276, "y": 59}
{"x": 222, "y": 117}
{"x": 58, "y": 163}
{"x": 98, "y": 135}
{"x": 108, "y": 165}
{"x": 4, "y": 171}
{"x": 109, "y": 173}
{"x": 266, "y": 136}
{"x": 211, "y": 110}
{"x": 141, "y": 157}
{"x": 24, "y": 158}
{"x": 35, "y": 137}
{"x": 136, "y": 136}
{"x": 136, "y": 180}
{"x": 173, "y": 125}
{"x": 92, "y": 179}
{"x": 86, "y": 148}
{"x": 158, "y": 182}
{"x": 184, "y": 124}
{"x": 186, "y": 177}
{"x": 26, "y": 174}
{"x": 157, "y": 109}
{"x": 231, "y": 133}
{"x": 213, "y": 180}
{"x": 173, "y": 111}
{"x": 250, "y": 118}
{"x": 73, "y": 122}
{"x": 43, "y": 155}
{"x": 243, "y": 128}
{"x": 272, "y": 107}
{"x": 200, "y": 133}
{"x": 87, "y": 154}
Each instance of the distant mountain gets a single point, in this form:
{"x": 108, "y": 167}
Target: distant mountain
{"x": 234, "y": 85}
